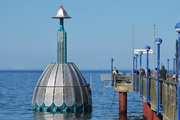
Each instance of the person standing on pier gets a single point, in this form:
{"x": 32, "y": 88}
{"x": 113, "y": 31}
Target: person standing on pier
{"x": 149, "y": 72}
{"x": 163, "y": 73}
{"x": 143, "y": 72}
{"x": 174, "y": 77}
{"x": 115, "y": 71}
{"x": 155, "y": 73}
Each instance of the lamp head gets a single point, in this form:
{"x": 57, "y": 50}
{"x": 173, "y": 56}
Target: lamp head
{"x": 140, "y": 53}
{"x": 158, "y": 41}
{"x": 136, "y": 55}
{"x": 133, "y": 57}
{"x": 177, "y": 27}
{"x": 147, "y": 48}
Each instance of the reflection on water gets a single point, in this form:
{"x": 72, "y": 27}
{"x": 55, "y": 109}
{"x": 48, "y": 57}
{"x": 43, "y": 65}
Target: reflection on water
{"x": 60, "y": 116}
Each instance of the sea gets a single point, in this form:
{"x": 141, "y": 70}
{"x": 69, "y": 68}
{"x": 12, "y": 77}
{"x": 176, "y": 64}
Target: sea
{"x": 17, "y": 87}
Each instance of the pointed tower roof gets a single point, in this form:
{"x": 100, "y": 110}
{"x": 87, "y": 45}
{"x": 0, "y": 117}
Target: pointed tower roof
{"x": 61, "y": 13}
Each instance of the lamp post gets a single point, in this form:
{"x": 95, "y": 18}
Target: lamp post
{"x": 177, "y": 27}
{"x": 158, "y": 41}
{"x": 168, "y": 65}
{"x": 147, "y": 67}
{"x": 136, "y": 56}
{"x": 140, "y": 66}
{"x": 174, "y": 65}
{"x": 112, "y": 65}
{"x": 133, "y": 72}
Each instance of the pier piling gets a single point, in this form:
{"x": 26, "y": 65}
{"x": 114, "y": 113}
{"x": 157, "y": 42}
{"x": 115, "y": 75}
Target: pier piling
{"x": 149, "y": 114}
{"x": 123, "y": 105}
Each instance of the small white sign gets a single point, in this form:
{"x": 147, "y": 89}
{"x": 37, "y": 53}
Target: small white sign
{"x": 143, "y": 50}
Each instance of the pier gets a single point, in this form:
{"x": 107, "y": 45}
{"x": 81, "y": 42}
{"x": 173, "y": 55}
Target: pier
{"x": 167, "y": 96}
{"x": 161, "y": 97}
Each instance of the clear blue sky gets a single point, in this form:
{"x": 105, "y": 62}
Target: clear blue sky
{"x": 98, "y": 31}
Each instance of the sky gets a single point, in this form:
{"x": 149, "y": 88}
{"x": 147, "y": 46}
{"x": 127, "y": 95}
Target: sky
{"x": 98, "y": 31}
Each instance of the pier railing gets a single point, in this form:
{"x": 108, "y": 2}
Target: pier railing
{"x": 167, "y": 96}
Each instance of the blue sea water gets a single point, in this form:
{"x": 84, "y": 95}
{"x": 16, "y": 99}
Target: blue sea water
{"x": 17, "y": 87}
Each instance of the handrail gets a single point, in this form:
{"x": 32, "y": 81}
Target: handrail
{"x": 161, "y": 80}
